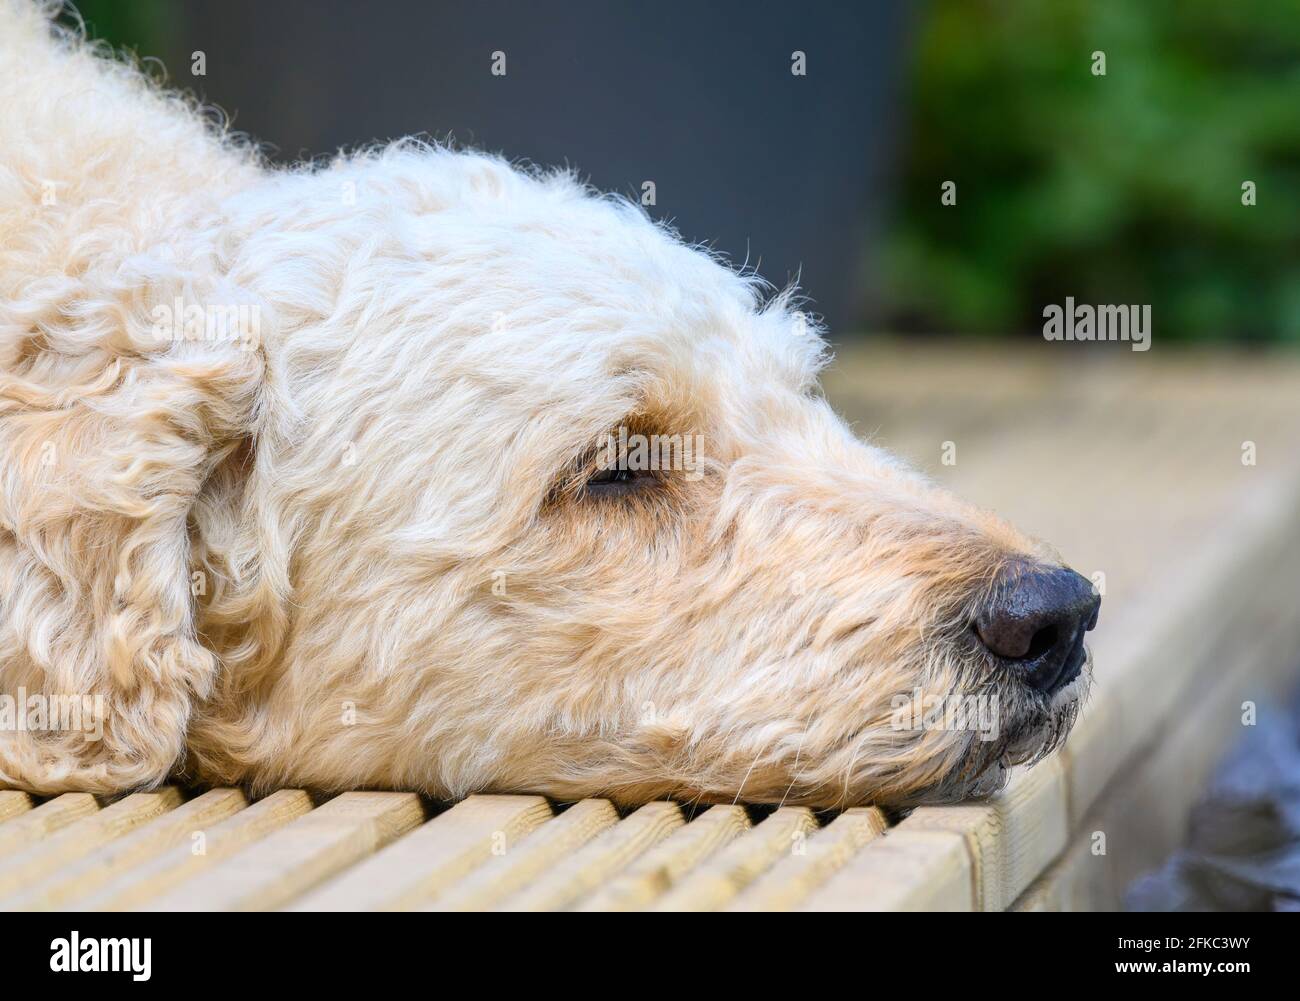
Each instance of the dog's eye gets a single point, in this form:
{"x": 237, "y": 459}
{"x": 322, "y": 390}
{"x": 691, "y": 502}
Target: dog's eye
{"x": 614, "y": 482}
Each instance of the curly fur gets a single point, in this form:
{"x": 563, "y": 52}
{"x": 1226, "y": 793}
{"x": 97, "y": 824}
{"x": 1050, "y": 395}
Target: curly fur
{"x": 352, "y": 547}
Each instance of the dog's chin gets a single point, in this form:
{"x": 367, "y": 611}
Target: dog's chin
{"x": 963, "y": 785}
{"x": 1037, "y": 728}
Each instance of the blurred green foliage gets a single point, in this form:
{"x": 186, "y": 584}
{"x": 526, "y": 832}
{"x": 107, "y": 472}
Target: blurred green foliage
{"x": 1123, "y": 188}
{"x": 138, "y": 25}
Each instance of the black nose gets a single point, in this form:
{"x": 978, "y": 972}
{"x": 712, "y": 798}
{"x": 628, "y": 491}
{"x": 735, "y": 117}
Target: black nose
{"x": 1036, "y": 623}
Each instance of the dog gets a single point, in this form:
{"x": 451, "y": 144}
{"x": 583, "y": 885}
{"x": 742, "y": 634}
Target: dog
{"x": 422, "y": 471}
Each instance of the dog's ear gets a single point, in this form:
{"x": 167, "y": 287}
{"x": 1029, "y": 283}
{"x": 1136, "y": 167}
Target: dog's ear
{"x": 118, "y": 398}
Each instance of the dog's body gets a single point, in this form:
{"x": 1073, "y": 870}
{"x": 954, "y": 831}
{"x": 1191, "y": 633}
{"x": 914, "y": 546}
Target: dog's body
{"x": 354, "y": 539}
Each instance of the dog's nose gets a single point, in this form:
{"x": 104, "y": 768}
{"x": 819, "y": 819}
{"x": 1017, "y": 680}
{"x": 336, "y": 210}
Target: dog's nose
{"x": 1036, "y": 623}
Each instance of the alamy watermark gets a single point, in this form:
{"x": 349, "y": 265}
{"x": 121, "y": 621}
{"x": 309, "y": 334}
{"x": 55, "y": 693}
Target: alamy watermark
{"x": 653, "y": 452}
{"x": 948, "y": 711}
{"x": 1098, "y": 323}
{"x": 208, "y": 322}
{"x": 41, "y": 713}
{"x": 75, "y": 954}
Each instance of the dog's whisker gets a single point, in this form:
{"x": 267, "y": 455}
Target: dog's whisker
{"x": 794, "y": 768}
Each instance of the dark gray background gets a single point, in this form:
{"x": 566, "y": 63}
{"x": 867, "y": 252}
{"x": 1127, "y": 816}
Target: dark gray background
{"x": 785, "y": 171}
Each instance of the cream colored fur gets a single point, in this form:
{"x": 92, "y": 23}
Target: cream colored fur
{"x": 353, "y": 547}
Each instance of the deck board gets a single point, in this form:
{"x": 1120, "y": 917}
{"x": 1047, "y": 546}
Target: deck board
{"x": 138, "y": 886}
{"x": 73, "y": 842}
{"x": 40, "y": 823}
{"x": 716, "y": 881}
{"x": 656, "y": 872}
{"x": 588, "y": 868}
{"x": 276, "y": 870}
{"x": 812, "y": 863}
{"x": 512, "y": 870}
{"x": 13, "y": 802}
{"x": 125, "y": 853}
{"x": 416, "y": 868}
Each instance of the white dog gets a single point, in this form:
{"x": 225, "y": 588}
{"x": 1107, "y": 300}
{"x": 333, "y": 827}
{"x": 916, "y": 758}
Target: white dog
{"x": 423, "y": 472}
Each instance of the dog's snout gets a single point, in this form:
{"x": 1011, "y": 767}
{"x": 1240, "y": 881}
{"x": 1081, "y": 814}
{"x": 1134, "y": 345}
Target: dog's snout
{"x": 1036, "y": 621}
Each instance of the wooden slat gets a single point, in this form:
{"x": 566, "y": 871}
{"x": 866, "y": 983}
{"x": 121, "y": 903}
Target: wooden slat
{"x": 1080, "y": 880}
{"x": 40, "y": 823}
{"x": 1011, "y": 838}
{"x": 714, "y": 882}
{"x": 588, "y": 868}
{"x": 12, "y": 803}
{"x": 415, "y": 869}
{"x": 272, "y": 872}
{"x": 1142, "y": 814}
{"x": 138, "y": 886}
{"x": 796, "y": 875}
{"x": 903, "y": 870}
{"x": 78, "y": 839}
{"x": 101, "y": 865}
{"x": 655, "y": 872}
{"x": 1149, "y": 663}
{"x": 1093, "y": 751}
{"x": 554, "y": 841}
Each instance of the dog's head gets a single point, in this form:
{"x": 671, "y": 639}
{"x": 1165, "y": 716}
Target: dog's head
{"x": 555, "y": 505}
{"x": 421, "y": 471}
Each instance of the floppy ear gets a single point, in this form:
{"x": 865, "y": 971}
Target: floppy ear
{"x": 110, "y": 418}
{"x": 114, "y": 410}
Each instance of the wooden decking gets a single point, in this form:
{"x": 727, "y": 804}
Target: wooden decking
{"x": 1130, "y": 463}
